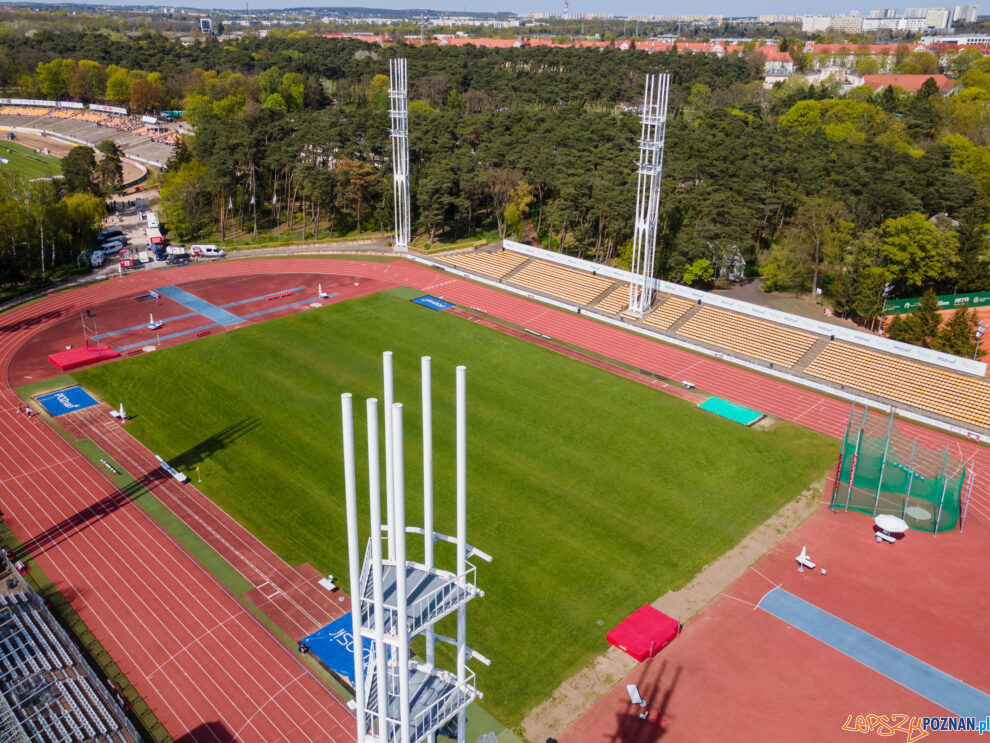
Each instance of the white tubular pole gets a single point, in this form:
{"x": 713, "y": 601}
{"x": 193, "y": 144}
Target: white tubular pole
{"x": 389, "y": 518}
{"x": 428, "y": 490}
{"x": 398, "y": 511}
{"x": 461, "y": 535}
{"x": 374, "y": 492}
{"x": 350, "y": 494}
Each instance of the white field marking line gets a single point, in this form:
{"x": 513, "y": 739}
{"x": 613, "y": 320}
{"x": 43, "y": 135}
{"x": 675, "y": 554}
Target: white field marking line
{"x": 193, "y": 516}
{"x": 308, "y": 267}
{"x": 157, "y": 594}
{"x": 122, "y": 439}
{"x": 164, "y": 570}
{"x": 36, "y": 470}
{"x": 188, "y": 645}
{"x": 286, "y": 268}
{"x": 92, "y": 603}
{"x": 268, "y": 699}
{"x": 806, "y": 411}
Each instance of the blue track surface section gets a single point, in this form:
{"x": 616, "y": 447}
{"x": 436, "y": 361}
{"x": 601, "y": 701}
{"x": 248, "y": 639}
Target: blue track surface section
{"x": 255, "y": 299}
{"x": 204, "y": 308}
{"x": 283, "y": 306}
{"x": 166, "y": 337}
{"x": 925, "y": 680}
{"x": 144, "y": 325}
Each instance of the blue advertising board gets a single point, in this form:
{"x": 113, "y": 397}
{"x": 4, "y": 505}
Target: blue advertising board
{"x": 334, "y": 645}
{"x": 66, "y": 401}
{"x": 432, "y": 302}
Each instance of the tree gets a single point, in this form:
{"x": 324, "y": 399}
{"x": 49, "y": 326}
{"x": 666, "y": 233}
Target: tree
{"x": 499, "y": 183}
{"x": 356, "y": 177}
{"x": 378, "y": 92}
{"x": 88, "y": 81}
{"x": 914, "y": 252}
{"x": 118, "y": 86}
{"x": 184, "y": 199}
{"x": 276, "y": 101}
{"x": 699, "y": 273}
{"x": 109, "y": 171}
{"x": 53, "y": 77}
{"x": 958, "y": 335}
{"x": 814, "y": 239}
{"x": 78, "y": 170}
{"x": 919, "y": 327}
{"x": 148, "y": 96}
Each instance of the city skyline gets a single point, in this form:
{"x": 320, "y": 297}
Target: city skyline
{"x": 577, "y": 7}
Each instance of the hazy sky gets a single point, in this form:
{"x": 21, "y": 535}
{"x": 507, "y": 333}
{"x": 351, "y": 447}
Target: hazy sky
{"x": 618, "y": 7}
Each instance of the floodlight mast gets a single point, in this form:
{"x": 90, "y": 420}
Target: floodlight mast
{"x": 398, "y": 93}
{"x": 653, "y": 129}
{"x": 395, "y": 599}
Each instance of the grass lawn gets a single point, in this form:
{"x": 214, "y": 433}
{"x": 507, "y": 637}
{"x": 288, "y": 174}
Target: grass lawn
{"x": 594, "y": 493}
{"x": 26, "y": 162}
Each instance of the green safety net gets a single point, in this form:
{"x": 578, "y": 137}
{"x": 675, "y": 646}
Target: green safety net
{"x": 892, "y": 473}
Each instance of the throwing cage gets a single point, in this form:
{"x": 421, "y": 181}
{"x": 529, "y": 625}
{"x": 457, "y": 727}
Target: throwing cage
{"x": 883, "y": 470}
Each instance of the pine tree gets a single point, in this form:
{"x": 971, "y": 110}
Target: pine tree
{"x": 958, "y": 336}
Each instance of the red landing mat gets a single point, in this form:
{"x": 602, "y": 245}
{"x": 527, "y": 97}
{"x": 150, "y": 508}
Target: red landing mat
{"x": 644, "y": 633}
{"x": 76, "y": 357}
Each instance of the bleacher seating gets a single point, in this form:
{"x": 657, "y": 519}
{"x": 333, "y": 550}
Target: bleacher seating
{"x": 902, "y": 380}
{"x": 751, "y": 336}
{"x": 493, "y": 265}
{"x": 616, "y": 301}
{"x": 560, "y": 281}
{"x": 670, "y": 311}
{"x": 33, "y": 655}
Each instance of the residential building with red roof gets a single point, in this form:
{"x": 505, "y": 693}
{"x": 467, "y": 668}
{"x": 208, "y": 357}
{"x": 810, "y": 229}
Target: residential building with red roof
{"x": 910, "y": 83}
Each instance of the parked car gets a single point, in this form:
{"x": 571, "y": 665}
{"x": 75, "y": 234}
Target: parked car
{"x": 160, "y": 253}
{"x": 97, "y": 258}
{"x": 180, "y": 259}
{"x": 177, "y": 250}
{"x": 110, "y": 233}
{"x": 207, "y": 251}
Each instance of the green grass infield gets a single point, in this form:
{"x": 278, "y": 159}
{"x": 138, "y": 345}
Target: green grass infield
{"x": 27, "y": 162}
{"x": 595, "y": 494}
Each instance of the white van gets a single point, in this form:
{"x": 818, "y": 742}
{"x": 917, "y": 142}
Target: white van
{"x": 152, "y": 220}
{"x": 207, "y": 251}
{"x": 110, "y": 247}
{"x": 97, "y": 258}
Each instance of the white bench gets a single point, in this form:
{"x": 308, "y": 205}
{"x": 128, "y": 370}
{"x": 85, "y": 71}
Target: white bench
{"x": 634, "y": 695}
{"x": 804, "y": 561}
{"x": 884, "y": 537}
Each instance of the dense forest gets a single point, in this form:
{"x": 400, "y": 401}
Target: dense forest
{"x": 812, "y": 189}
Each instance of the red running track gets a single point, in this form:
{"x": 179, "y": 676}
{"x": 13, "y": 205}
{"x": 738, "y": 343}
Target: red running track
{"x": 191, "y": 650}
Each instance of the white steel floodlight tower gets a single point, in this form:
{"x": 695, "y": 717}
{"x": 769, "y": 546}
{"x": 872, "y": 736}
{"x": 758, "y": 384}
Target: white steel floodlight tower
{"x": 398, "y": 94}
{"x": 653, "y": 128}
{"x": 395, "y": 598}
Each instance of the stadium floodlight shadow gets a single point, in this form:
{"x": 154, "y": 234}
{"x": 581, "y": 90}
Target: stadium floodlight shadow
{"x": 77, "y": 522}
{"x": 30, "y": 322}
{"x": 214, "y": 732}
{"x": 220, "y": 440}
{"x": 630, "y": 727}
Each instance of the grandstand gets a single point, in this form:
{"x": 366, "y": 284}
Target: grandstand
{"x": 671, "y": 310}
{"x": 49, "y": 694}
{"x": 136, "y": 139}
{"x": 892, "y": 377}
{"x": 560, "y": 281}
{"x": 748, "y": 335}
{"x": 906, "y": 382}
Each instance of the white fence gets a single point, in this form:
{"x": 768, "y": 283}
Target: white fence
{"x": 868, "y": 340}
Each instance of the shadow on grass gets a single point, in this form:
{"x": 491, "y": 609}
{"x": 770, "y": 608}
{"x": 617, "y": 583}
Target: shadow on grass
{"x": 630, "y": 727}
{"x": 220, "y": 440}
{"x": 122, "y": 495}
